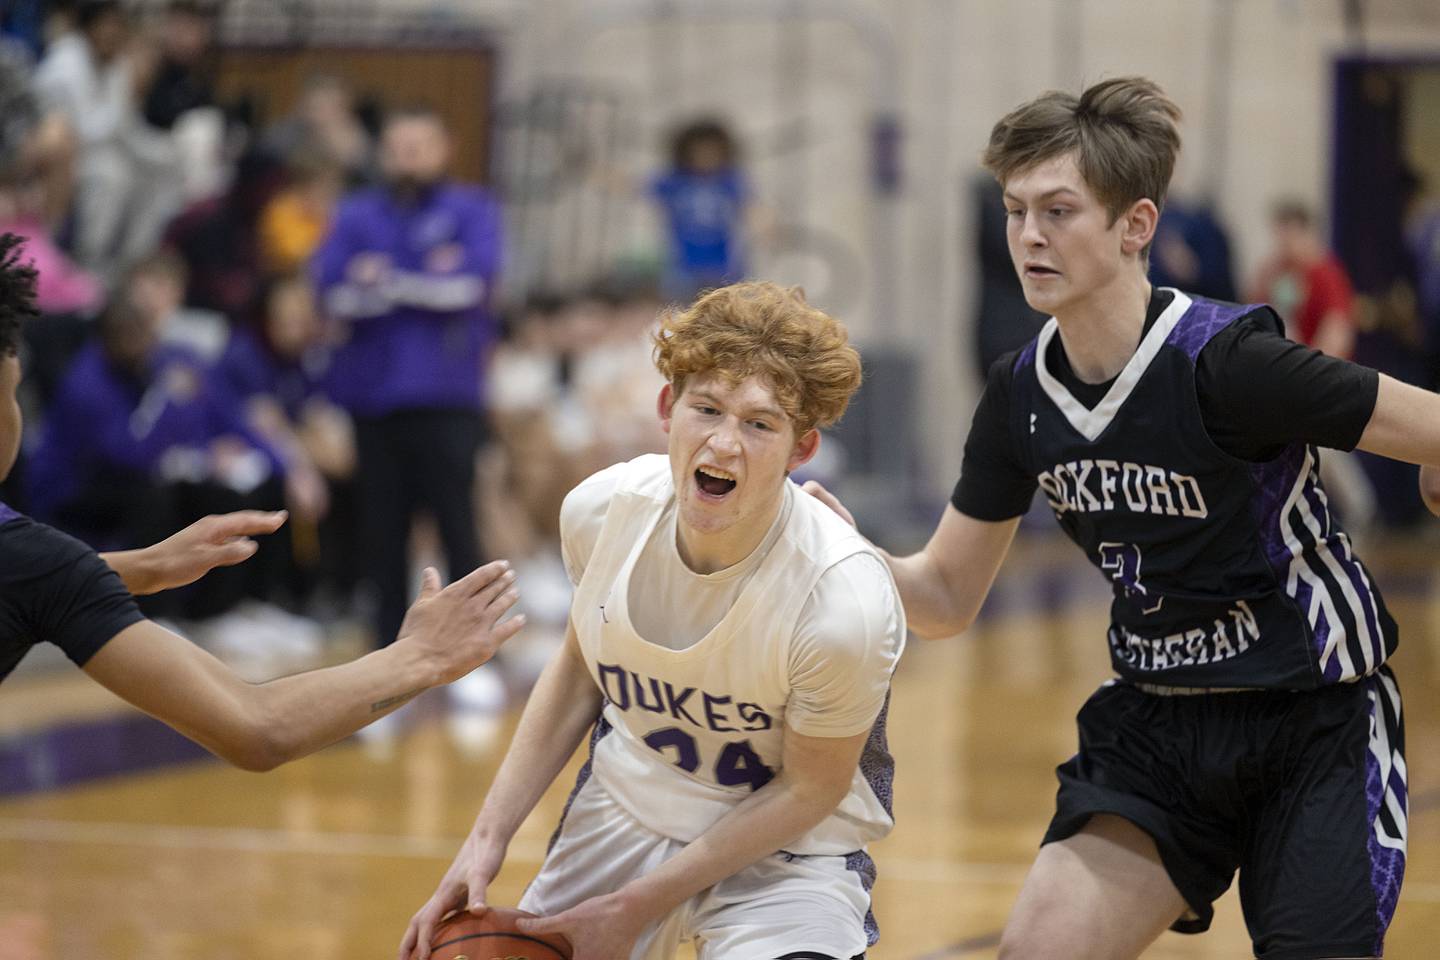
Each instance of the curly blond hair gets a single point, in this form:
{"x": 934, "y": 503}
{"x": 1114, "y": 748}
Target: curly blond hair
{"x": 766, "y": 330}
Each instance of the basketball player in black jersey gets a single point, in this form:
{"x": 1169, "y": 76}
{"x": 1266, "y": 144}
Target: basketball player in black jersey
{"x": 1253, "y": 725}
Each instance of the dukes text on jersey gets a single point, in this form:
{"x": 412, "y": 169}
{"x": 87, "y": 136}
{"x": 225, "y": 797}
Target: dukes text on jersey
{"x": 717, "y": 713}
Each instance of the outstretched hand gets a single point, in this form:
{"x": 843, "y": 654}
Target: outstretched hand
{"x": 220, "y": 540}
{"x": 458, "y": 628}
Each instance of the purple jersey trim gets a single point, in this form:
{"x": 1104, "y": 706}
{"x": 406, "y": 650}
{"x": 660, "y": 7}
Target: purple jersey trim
{"x": 1027, "y": 356}
{"x": 1387, "y": 862}
{"x": 878, "y": 768}
{"x": 7, "y": 514}
{"x": 864, "y": 866}
{"x": 1202, "y": 321}
{"x": 597, "y": 733}
{"x": 1274, "y": 479}
{"x": 876, "y": 764}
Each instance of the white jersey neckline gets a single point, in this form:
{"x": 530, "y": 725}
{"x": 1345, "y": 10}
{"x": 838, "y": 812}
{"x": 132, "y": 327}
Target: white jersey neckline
{"x": 1091, "y": 423}
{"x": 618, "y": 601}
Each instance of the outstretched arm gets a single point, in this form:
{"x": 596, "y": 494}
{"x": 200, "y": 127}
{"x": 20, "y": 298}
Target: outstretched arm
{"x": 1406, "y": 426}
{"x": 943, "y": 585}
{"x": 214, "y": 541}
{"x": 446, "y": 634}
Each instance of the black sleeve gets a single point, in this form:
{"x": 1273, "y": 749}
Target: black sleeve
{"x": 994, "y": 485}
{"x": 55, "y": 589}
{"x": 1259, "y": 391}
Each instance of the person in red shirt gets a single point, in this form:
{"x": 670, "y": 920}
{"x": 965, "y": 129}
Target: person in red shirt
{"x": 1308, "y": 287}
{"x": 1306, "y": 284}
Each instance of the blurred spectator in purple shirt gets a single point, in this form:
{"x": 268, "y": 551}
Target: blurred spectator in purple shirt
{"x": 141, "y": 436}
{"x": 278, "y": 366}
{"x": 409, "y": 269}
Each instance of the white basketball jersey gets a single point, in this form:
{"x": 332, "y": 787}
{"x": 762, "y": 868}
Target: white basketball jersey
{"x": 688, "y": 734}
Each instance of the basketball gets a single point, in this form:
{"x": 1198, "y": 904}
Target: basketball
{"x": 493, "y": 934}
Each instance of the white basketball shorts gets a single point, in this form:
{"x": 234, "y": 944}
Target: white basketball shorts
{"x": 783, "y": 905}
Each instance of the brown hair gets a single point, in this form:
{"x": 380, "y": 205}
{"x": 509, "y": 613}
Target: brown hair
{"x": 1121, "y": 131}
{"x": 766, "y": 330}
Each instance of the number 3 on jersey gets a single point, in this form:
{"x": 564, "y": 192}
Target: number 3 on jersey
{"x": 738, "y": 763}
{"x": 1122, "y": 562}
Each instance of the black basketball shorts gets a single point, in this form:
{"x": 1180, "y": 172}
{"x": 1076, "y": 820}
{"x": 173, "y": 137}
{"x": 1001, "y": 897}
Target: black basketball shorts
{"x": 1302, "y": 792}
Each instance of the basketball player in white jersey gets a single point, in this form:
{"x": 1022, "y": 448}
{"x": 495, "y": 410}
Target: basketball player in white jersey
{"x": 731, "y": 644}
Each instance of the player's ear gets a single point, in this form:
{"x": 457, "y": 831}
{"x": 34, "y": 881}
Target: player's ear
{"x": 805, "y": 449}
{"x": 1138, "y": 226}
{"x": 665, "y": 406}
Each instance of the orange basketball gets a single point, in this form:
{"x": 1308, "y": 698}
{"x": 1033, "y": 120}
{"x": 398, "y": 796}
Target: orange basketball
{"x": 491, "y": 935}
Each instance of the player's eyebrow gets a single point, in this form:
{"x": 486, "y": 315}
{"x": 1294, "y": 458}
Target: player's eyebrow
{"x": 1047, "y": 195}
{"x": 763, "y": 410}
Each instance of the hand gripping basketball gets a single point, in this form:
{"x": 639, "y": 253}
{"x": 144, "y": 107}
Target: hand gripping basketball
{"x": 601, "y": 928}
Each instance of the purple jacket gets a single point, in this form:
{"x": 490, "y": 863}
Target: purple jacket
{"x": 414, "y": 284}
{"x": 105, "y": 424}
{"x": 248, "y": 367}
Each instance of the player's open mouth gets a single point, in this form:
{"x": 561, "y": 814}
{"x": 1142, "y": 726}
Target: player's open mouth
{"x": 1037, "y": 271}
{"x": 714, "y": 482}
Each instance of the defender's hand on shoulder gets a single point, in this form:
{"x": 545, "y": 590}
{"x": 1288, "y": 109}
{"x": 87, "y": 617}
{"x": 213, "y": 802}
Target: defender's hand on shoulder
{"x": 458, "y": 628}
{"x": 814, "y": 488}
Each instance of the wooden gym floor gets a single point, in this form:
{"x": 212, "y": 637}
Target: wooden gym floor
{"x": 326, "y": 858}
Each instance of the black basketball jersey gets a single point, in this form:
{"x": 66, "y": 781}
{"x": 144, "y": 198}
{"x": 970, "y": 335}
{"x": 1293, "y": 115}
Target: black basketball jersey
{"x": 1225, "y": 573}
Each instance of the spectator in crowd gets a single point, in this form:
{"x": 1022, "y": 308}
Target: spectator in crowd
{"x": 157, "y": 284}
{"x": 34, "y": 24}
{"x": 278, "y": 366}
{"x": 1192, "y": 251}
{"x": 705, "y": 198}
{"x": 127, "y": 188}
{"x": 1422, "y": 240}
{"x": 326, "y": 122}
{"x": 410, "y": 269}
{"x": 1003, "y": 321}
{"x": 526, "y": 473}
{"x": 37, "y": 145}
{"x": 141, "y": 438}
{"x": 178, "y": 104}
{"x": 63, "y": 286}
{"x": 1311, "y": 291}
{"x": 1306, "y": 284}
{"x": 614, "y": 371}
{"x": 181, "y": 80}
{"x": 296, "y": 220}
{"x": 220, "y": 242}
{"x": 572, "y": 384}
